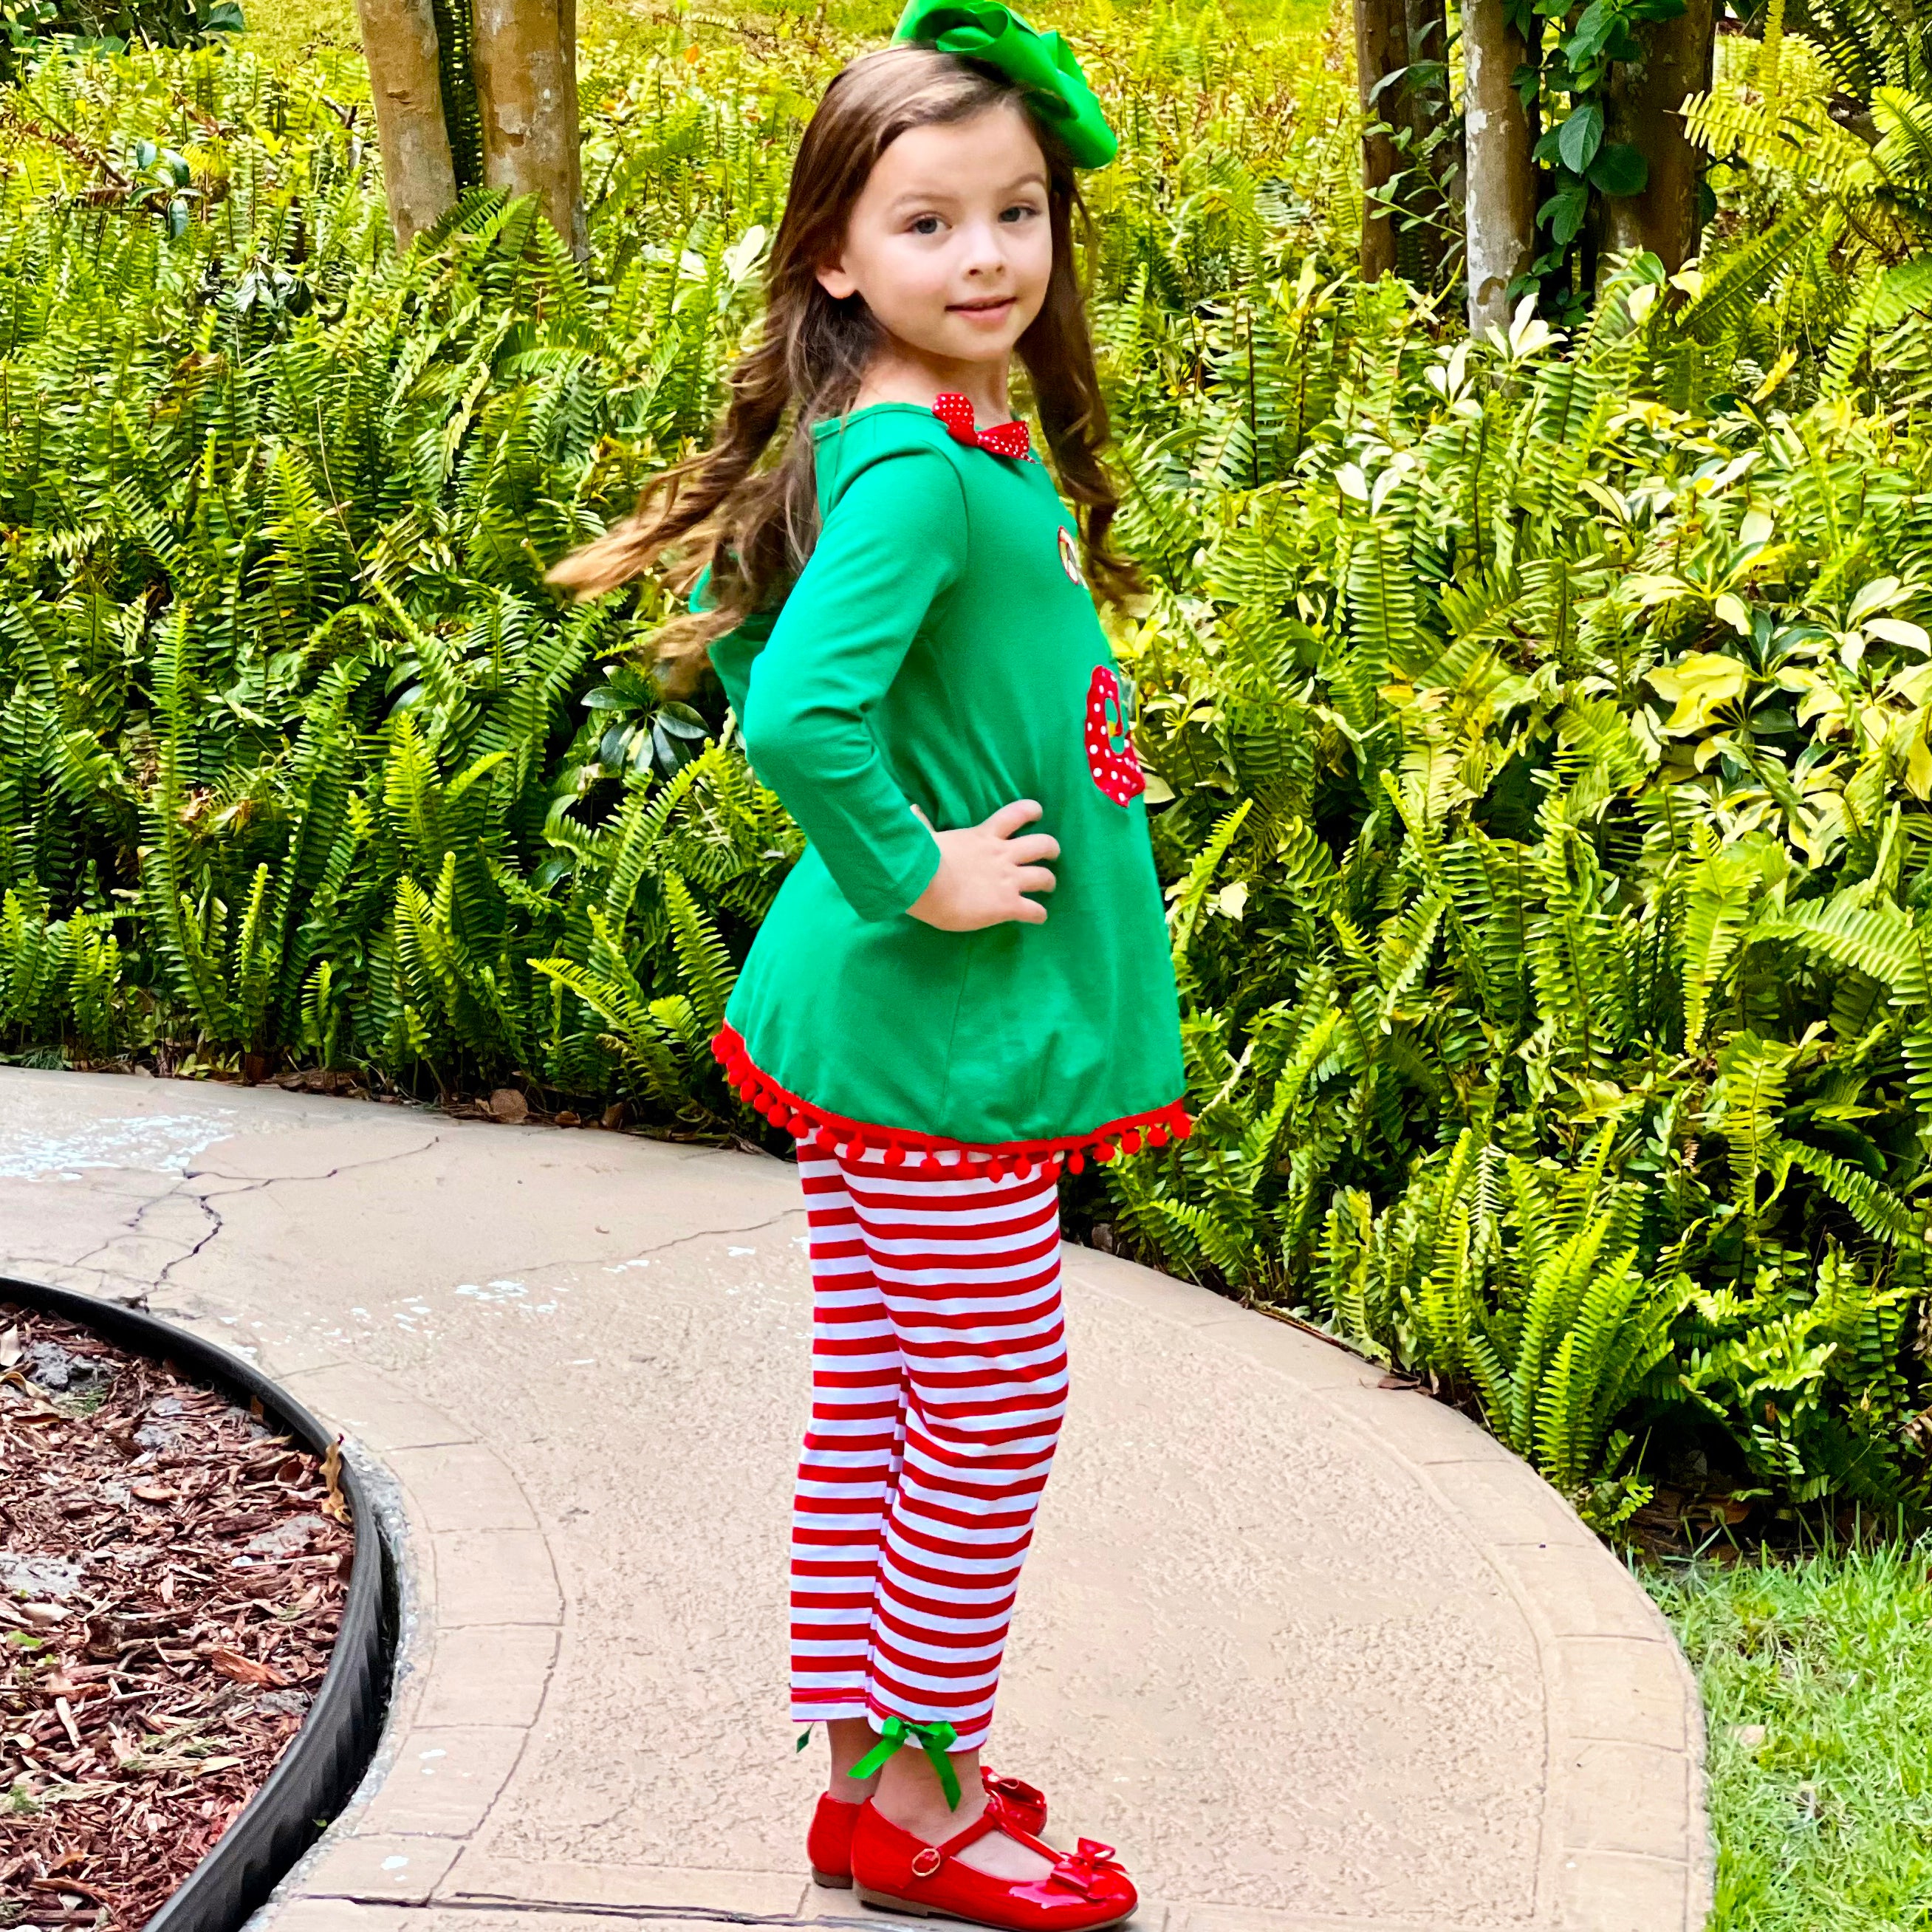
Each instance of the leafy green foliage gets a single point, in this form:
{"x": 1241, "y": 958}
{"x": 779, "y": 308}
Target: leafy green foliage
{"x": 299, "y": 756}
{"x": 1550, "y": 863}
{"x": 1822, "y": 148}
{"x": 117, "y": 23}
{"x": 1573, "y": 48}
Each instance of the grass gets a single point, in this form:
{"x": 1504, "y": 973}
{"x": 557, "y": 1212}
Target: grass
{"x": 1817, "y": 1683}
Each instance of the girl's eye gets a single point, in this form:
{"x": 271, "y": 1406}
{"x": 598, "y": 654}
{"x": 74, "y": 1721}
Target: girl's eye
{"x": 926, "y": 224}
{"x": 1021, "y": 211}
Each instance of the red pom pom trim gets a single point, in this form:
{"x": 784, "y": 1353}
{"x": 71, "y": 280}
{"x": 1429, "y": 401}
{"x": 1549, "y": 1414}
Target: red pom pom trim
{"x": 899, "y": 1146}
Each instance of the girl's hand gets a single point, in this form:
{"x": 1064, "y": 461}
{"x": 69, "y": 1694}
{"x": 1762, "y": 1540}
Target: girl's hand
{"x": 985, "y": 872}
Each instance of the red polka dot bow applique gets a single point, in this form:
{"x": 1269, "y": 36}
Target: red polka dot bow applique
{"x": 955, "y": 411}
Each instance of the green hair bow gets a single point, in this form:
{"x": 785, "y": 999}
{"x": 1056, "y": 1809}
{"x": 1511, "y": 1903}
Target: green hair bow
{"x": 1041, "y": 65}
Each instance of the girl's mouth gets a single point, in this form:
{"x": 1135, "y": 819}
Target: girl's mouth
{"x": 991, "y": 309}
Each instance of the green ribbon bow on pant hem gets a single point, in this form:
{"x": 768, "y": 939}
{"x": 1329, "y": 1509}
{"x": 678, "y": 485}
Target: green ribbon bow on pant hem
{"x": 934, "y": 1739}
{"x": 1042, "y": 66}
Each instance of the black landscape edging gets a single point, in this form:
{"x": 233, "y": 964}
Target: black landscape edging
{"x": 327, "y": 1755}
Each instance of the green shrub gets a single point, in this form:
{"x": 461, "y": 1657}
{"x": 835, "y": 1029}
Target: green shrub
{"x": 287, "y": 713}
{"x": 1550, "y": 858}
{"x": 118, "y": 23}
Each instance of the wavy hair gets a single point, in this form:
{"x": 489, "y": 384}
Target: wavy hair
{"x": 754, "y": 520}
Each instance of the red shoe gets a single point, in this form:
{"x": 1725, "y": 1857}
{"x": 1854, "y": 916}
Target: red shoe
{"x": 1086, "y": 1889}
{"x": 828, "y": 1843}
{"x": 1024, "y": 1804}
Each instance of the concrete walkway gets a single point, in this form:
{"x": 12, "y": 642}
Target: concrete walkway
{"x": 1312, "y": 1653}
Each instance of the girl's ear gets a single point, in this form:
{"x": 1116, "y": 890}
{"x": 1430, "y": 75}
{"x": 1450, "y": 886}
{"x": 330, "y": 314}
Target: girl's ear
{"x": 835, "y": 281}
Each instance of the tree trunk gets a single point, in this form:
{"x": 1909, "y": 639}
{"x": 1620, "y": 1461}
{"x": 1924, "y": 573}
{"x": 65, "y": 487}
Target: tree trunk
{"x": 1500, "y": 190}
{"x": 526, "y": 93}
{"x": 1645, "y": 98}
{"x": 1381, "y": 49}
{"x": 399, "y": 42}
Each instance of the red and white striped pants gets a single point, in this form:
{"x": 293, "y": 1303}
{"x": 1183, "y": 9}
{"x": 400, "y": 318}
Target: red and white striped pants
{"x": 939, "y": 1380}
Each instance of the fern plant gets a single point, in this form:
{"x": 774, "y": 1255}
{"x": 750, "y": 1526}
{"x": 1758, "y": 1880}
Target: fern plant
{"x": 1547, "y": 862}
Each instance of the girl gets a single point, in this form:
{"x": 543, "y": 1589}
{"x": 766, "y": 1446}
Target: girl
{"x": 964, "y": 986}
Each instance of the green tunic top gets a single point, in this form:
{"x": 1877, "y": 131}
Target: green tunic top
{"x": 940, "y": 649}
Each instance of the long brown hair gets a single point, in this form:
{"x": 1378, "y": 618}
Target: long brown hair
{"x": 755, "y": 524}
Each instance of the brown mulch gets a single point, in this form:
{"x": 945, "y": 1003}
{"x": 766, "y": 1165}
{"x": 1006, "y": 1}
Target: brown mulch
{"x": 171, "y": 1579}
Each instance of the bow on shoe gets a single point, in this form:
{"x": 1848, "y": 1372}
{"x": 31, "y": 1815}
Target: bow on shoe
{"x": 955, "y": 411}
{"x": 1015, "y": 1791}
{"x": 1080, "y": 1869}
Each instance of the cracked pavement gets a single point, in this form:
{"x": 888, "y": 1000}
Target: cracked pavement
{"x": 1312, "y": 1655}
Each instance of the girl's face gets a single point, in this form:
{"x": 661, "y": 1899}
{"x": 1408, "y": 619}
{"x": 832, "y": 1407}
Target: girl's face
{"x": 949, "y": 241}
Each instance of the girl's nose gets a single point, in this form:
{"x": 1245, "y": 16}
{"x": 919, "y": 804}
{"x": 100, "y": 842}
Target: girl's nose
{"x": 984, "y": 252}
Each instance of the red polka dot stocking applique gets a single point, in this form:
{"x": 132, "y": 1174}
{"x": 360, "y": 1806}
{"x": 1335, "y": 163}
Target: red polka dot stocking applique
{"x": 1110, "y": 756}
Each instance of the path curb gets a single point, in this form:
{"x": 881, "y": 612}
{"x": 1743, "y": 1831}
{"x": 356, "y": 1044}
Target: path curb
{"x": 483, "y": 1613}
{"x": 338, "y": 1734}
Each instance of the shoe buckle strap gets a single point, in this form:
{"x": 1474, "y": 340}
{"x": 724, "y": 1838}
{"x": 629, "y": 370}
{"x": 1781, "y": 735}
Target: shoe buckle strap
{"x": 926, "y": 1861}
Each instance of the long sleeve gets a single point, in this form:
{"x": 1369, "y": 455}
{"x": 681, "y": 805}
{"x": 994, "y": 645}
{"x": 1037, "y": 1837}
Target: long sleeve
{"x": 732, "y": 655}
{"x": 893, "y": 543}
